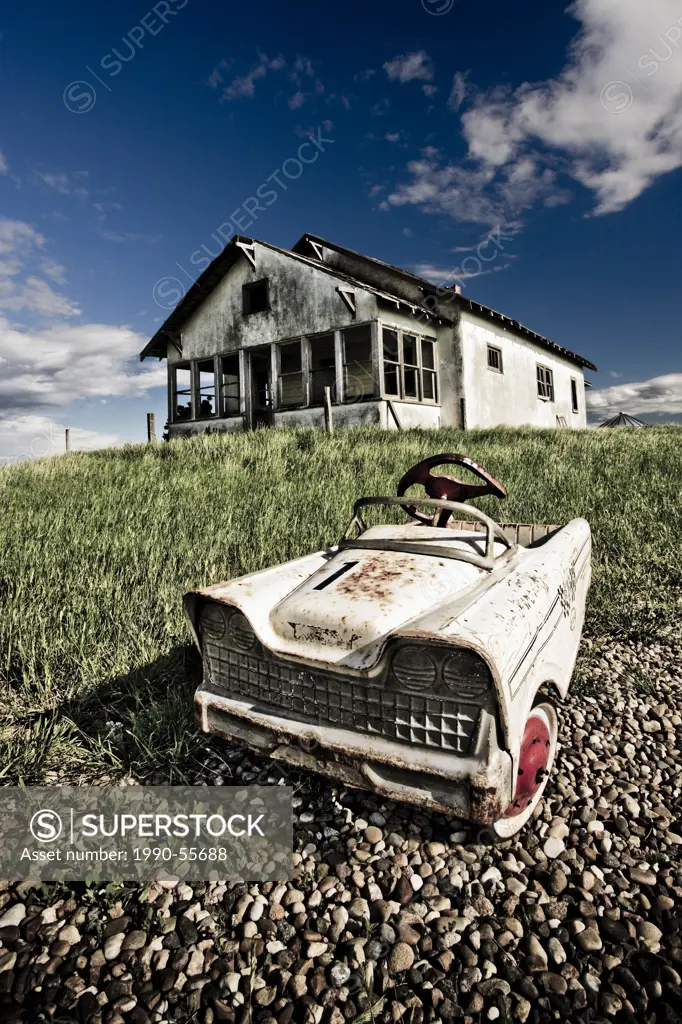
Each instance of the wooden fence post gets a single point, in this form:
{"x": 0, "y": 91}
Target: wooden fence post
{"x": 151, "y": 428}
{"x": 328, "y": 424}
{"x": 67, "y": 439}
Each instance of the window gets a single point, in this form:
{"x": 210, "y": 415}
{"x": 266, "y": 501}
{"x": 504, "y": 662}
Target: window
{"x": 358, "y": 370}
{"x": 182, "y": 392}
{"x": 429, "y": 385}
{"x": 322, "y": 367}
{"x": 391, "y": 361}
{"x": 574, "y": 395}
{"x": 545, "y": 383}
{"x": 495, "y": 358}
{"x": 255, "y": 297}
{"x": 228, "y": 382}
{"x": 290, "y": 376}
{"x": 410, "y": 369}
{"x": 205, "y": 382}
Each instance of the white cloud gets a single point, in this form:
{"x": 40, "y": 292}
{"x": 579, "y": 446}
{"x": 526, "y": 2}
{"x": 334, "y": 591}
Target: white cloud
{"x": 655, "y": 396}
{"x": 17, "y": 236}
{"x": 67, "y": 184}
{"x": 35, "y": 296}
{"x": 244, "y": 86}
{"x": 34, "y": 436}
{"x": 53, "y": 270}
{"x": 610, "y": 120}
{"x": 55, "y": 366}
{"x": 475, "y": 194}
{"x": 410, "y": 67}
{"x": 3, "y": 164}
{"x": 21, "y": 289}
{"x": 127, "y": 236}
{"x": 615, "y": 111}
{"x": 458, "y": 91}
{"x": 453, "y": 275}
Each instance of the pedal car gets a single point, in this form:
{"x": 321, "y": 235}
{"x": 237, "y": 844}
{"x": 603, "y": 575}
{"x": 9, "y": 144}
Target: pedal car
{"x": 418, "y": 661}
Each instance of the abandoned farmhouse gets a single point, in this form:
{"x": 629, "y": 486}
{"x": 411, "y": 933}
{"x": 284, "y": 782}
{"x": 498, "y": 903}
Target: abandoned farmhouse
{"x": 265, "y": 331}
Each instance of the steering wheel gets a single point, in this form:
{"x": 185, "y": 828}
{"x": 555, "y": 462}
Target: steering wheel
{"x": 448, "y": 488}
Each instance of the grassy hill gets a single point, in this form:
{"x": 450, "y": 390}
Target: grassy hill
{"x": 96, "y": 550}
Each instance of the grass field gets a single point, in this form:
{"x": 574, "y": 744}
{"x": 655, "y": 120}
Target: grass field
{"x": 96, "y": 550}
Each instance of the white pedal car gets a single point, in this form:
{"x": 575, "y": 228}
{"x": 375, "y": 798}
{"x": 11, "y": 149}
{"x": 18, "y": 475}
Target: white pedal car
{"x": 414, "y": 661}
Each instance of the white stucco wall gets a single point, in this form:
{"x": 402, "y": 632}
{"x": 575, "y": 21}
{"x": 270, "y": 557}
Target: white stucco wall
{"x": 511, "y": 398}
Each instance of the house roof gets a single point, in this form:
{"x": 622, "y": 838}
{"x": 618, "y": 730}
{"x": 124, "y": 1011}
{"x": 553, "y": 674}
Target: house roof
{"x": 217, "y": 269}
{"x": 454, "y": 297}
{"x": 226, "y": 259}
{"x": 623, "y": 420}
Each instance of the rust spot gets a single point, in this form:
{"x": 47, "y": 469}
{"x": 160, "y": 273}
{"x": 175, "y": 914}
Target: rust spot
{"x": 373, "y": 579}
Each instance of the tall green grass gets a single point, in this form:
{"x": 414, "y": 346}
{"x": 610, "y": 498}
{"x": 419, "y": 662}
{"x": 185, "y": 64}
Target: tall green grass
{"x": 97, "y": 549}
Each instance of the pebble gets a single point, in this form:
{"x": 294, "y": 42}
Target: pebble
{"x": 400, "y": 958}
{"x": 553, "y": 847}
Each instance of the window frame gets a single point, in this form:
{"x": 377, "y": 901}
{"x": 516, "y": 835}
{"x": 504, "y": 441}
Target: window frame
{"x": 575, "y": 400}
{"x": 345, "y": 366}
{"x": 184, "y": 364}
{"x": 250, "y": 287}
{"x": 197, "y": 389}
{"x": 302, "y": 373}
{"x": 544, "y": 377}
{"x": 421, "y": 369}
{"x": 221, "y": 387}
{"x": 498, "y": 352}
{"x": 310, "y": 382}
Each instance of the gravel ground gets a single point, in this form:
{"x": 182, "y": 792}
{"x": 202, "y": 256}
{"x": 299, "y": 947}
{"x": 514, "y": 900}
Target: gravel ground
{"x": 395, "y": 914}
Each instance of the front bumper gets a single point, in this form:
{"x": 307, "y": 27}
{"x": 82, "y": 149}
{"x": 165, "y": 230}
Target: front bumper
{"x": 477, "y": 787}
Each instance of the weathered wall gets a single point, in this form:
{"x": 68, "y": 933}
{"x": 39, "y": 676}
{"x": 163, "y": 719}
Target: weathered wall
{"x": 303, "y": 301}
{"x": 511, "y": 398}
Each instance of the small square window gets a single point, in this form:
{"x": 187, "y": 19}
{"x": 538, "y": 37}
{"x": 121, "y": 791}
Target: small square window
{"x": 495, "y": 358}
{"x": 545, "y": 379}
{"x": 574, "y": 395}
{"x": 255, "y": 297}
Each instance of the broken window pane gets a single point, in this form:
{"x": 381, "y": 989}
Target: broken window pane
{"x": 206, "y": 388}
{"x": 229, "y": 385}
{"x": 290, "y": 376}
{"x": 322, "y": 367}
{"x": 358, "y": 375}
{"x": 182, "y": 399}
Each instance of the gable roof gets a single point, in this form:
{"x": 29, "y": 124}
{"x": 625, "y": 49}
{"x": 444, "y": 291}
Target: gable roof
{"x": 452, "y": 297}
{"x": 225, "y": 260}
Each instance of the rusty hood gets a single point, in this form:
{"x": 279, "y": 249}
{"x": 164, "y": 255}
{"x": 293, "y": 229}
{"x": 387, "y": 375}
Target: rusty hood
{"x": 339, "y": 607}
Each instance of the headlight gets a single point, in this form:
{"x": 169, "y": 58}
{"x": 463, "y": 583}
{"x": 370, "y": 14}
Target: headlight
{"x": 414, "y": 669}
{"x": 213, "y": 621}
{"x": 241, "y": 635}
{"x": 466, "y": 675}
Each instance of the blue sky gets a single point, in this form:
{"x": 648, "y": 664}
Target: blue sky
{"x": 132, "y": 137}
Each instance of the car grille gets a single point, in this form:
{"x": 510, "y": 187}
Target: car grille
{"x": 323, "y": 699}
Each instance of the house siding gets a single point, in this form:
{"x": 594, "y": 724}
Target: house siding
{"x": 511, "y": 398}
